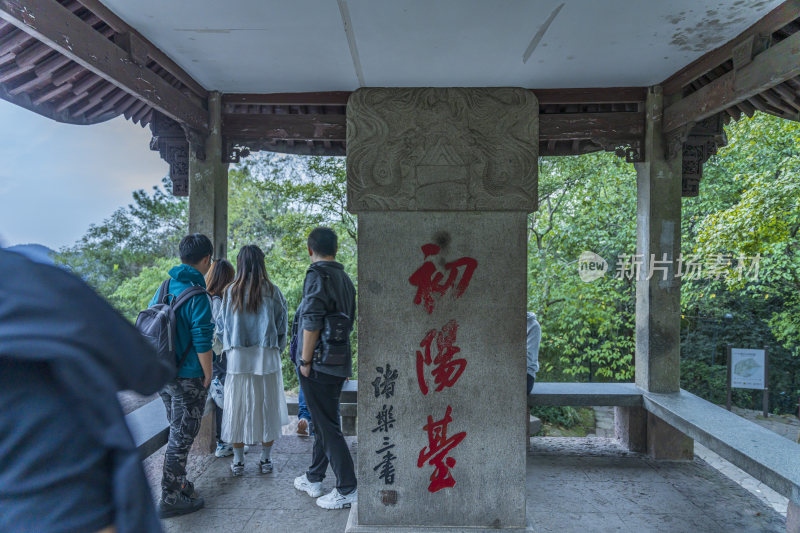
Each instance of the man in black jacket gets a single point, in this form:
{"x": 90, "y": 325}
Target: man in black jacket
{"x": 327, "y": 290}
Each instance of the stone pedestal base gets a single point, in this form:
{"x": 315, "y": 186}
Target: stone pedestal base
{"x": 354, "y": 527}
{"x": 630, "y": 427}
{"x": 206, "y": 439}
{"x": 793, "y": 518}
{"x": 664, "y": 442}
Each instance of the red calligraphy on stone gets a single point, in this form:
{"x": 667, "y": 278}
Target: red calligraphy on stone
{"x": 435, "y": 454}
{"x": 446, "y": 370}
{"x": 429, "y": 281}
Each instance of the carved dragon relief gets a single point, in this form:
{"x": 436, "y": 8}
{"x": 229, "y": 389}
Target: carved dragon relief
{"x": 442, "y": 149}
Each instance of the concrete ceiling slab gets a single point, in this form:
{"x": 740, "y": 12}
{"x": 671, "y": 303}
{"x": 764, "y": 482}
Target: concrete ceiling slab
{"x": 265, "y": 46}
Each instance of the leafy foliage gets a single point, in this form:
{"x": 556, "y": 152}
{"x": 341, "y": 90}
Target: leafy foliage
{"x": 563, "y": 416}
{"x": 134, "y": 294}
{"x": 748, "y": 208}
{"x": 293, "y": 196}
{"x": 587, "y": 203}
{"x": 129, "y": 240}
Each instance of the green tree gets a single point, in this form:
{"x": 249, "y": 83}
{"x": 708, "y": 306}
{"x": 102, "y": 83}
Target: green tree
{"x": 129, "y": 240}
{"x": 134, "y": 294}
{"x": 587, "y": 203}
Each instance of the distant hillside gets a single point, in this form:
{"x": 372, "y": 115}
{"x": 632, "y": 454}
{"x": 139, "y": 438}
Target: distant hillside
{"x": 35, "y": 252}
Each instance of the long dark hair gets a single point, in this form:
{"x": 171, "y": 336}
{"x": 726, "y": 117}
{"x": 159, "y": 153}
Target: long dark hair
{"x": 251, "y": 276}
{"x": 219, "y": 277}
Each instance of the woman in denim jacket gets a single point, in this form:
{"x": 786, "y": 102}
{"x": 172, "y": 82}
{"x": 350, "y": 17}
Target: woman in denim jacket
{"x": 253, "y": 324}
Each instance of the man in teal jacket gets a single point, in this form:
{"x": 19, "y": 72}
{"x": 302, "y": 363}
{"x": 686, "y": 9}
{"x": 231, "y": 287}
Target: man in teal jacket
{"x": 185, "y": 396}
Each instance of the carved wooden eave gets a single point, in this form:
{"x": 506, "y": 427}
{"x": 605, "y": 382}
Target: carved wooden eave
{"x": 757, "y": 71}
{"x": 170, "y": 140}
{"x": 77, "y": 62}
{"x": 703, "y": 141}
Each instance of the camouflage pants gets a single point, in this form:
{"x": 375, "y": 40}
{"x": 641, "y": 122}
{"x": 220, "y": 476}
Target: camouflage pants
{"x": 185, "y": 399}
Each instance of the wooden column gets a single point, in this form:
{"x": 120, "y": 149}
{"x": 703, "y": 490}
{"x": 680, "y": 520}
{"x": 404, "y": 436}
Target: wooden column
{"x": 208, "y": 214}
{"x": 658, "y": 239}
{"x": 208, "y": 183}
{"x": 658, "y": 287}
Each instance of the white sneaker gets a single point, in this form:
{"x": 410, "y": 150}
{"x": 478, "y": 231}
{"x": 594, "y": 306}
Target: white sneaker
{"x": 312, "y": 489}
{"x": 223, "y": 450}
{"x": 334, "y": 500}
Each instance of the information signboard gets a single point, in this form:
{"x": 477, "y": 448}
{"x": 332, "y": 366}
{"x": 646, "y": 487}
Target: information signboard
{"x": 747, "y": 368}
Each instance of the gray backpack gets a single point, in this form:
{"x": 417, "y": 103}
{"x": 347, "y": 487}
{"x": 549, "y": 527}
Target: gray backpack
{"x": 158, "y": 324}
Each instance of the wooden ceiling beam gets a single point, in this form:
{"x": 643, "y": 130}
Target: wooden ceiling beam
{"x": 595, "y": 95}
{"x": 768, "y": 69}
{"x": 773, "y": 21}
{"x": 52, "y": 24}
{"x": 553, "y": 127}
{"x": 42, "y": 107}
{"x": 319, "y": 98}
{"x": 607, "y": 126}
{"x": 239, "y": 128}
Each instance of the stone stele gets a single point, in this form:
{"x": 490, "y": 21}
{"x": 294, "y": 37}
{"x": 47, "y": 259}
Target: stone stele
{"x": 442, "y": 181}
{"x": 442, "y": 149}
{"x": 476, "y": 371}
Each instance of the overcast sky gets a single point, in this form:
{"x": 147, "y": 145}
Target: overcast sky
{"x": 57, "y": 179}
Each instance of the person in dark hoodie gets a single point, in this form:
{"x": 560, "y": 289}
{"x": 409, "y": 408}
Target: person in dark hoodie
{"x": 185, "y": 396}
{"x": 68, "y": 462}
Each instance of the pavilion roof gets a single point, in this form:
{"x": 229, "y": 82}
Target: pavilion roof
{"x": 320, "y": 57}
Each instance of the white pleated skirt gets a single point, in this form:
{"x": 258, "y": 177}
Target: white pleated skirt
{"x": 254, "y": 409}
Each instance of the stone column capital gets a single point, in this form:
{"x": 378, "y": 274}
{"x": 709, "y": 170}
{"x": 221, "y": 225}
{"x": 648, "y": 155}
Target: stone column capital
{"x": 442, "y": 149}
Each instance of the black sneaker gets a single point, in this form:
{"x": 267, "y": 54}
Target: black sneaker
{"x": 266, "y": 466}
{"x": 188, "y": 488}
{"x": 183, "y": 505}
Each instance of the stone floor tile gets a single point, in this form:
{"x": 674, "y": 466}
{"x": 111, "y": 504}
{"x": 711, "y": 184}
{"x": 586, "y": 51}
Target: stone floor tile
{"x": 572, "y": 485}
{"x": 617, "y": 469}
{"x": 252, "y": 493}
{"x": 311, "y": 519}
{"x": 565, "y": 497}
{"x": 647, "y": 497}
{"x": 671, "y": 523}
{"x": 210, "y": 520}
{"x": 577, "y": 522}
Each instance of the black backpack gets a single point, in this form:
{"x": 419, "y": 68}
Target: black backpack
{"x": 158, "y": 324}
{"x": 333, "y": 347}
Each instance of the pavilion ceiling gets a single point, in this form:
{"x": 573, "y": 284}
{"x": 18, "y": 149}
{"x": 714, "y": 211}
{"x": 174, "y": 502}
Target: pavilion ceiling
{"x": 46, "y": 78}
{"x": 270, "y": 46}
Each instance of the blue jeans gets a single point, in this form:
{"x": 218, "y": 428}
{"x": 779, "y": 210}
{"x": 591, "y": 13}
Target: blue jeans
{"x": 302, "y": 408}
